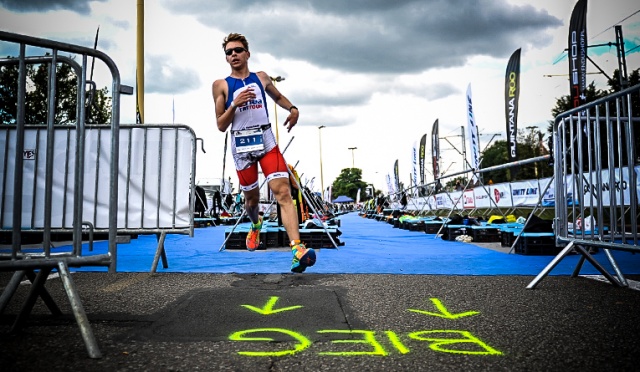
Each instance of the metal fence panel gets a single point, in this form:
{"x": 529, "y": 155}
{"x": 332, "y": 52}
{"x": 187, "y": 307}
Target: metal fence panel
{"x": 596, "y": 180}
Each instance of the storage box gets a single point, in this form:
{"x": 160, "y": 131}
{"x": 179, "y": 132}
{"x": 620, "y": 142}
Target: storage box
{"x": 483, "y": 234}
{"x": 506, "y": 238}
{"x": 453, "y": 231}
{"x": 537, "y": 244}
{"x": 432, "y": 227}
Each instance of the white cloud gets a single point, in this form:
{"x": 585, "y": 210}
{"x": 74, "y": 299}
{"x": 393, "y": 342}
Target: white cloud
{"x": 377, "y": 76}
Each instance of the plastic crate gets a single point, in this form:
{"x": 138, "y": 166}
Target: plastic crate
{"x": 537, "y": 244}
{"x": 272, "y": 239}
{"x": 506, "y": 238}
{"x": 485, "y": 234}
{"x": 238, "y": 240}
{"x": 457, "y": 230}
{"x": 432, "y": 227}
{"x": 320, "y": 239}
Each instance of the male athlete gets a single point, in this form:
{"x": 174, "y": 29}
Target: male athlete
{"x": 240, "y": 103}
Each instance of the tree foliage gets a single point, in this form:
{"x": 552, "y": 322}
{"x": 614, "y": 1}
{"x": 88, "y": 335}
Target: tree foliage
{"x": 348, "y": 183}
{"x": 564, "y": 104}
{"x": 530, "y": 145}
{"x": 98, "y": 110}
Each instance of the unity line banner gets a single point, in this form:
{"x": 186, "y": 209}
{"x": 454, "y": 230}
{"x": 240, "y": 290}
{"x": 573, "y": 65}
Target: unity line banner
{"x": 578, "y": 54}
{"x": 511, "y": 96}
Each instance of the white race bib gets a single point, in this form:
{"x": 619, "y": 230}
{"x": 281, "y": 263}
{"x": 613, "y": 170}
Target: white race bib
{"x": 249, "y": 140}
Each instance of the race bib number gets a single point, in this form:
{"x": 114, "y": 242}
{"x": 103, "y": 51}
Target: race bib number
{"x": 249, "y": 140}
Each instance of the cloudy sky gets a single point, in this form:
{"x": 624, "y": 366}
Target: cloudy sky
{"x": 376, "y": 73}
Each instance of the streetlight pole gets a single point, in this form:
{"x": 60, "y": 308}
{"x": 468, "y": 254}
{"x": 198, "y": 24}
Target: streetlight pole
{"x": 352, "y": 161}
{"x": 275, "y": 105}
{"x": 321, "y": 176}
{"x": 531, "y": 137}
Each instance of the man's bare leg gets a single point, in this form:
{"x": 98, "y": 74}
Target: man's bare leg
{"x": 251, "y": 202}
{"x": 282, "y": 193}
{"x": 251, "y": 206}
{"x": 303, "y": 257}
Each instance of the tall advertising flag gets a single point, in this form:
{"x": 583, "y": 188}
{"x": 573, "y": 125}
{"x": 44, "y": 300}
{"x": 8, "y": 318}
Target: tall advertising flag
{"x": 511, "y": 95}
{"x": 578, "y": 54}
{"x": 423, "y": 145}
{"x": 435, "y": 150}
{"x": 414, "y": 174}
{"x": 396, "y": 174}
{"x": 472, "y": 128}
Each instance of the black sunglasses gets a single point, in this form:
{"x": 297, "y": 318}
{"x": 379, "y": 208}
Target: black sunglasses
{"x": 238, "y": 50}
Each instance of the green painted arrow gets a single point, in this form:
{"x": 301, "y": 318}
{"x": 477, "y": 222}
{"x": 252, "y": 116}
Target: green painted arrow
{"x": 268, "y": 309}
{"x": 444, "y": 313}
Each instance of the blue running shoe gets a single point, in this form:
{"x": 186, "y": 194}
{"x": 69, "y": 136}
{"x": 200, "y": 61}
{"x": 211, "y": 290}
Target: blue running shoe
{"x": 303, "y": 257}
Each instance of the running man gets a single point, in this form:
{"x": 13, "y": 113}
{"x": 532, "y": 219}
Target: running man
{"x": 240, "y": 103}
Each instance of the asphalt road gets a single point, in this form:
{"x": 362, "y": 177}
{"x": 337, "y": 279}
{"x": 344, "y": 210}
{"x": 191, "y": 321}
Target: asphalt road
{"x": 313, "y": 322}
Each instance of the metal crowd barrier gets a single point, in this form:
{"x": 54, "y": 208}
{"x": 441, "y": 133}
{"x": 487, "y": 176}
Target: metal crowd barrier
{"x": 596, "y": 182}
{"x": 37, "y": 264}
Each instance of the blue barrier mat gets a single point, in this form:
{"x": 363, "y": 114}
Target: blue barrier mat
{"x": 371, "y": 247}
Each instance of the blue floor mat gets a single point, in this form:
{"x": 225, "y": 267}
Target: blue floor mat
{"x": 371, "y": 247}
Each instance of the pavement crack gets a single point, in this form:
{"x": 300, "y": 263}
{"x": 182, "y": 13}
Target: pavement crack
{"x": 342, "y": 310}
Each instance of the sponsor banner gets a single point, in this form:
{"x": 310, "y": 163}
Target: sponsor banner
{"x": 612, "y": 190}
{"x": 431, "y": 202}
{"x": 525, "y": 193}
{"x": 417, "y": 204}
{"x": 481, "y": 197}
{"x": 442, "y": 201}
{"x": 511, "y": 94}
{"x": 468, "y": 199}
{"x": 577, "y": 54}
{"x": 455, "y": 197}
{"x": 549, "y": 198}
{"x": 501, "y": 195}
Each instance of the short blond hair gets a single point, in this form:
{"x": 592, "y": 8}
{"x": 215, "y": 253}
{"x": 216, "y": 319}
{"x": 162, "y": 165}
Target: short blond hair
{"x": 235, "y": 37}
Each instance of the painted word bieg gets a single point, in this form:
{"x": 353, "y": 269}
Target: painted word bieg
{"x": 441, "y": 340}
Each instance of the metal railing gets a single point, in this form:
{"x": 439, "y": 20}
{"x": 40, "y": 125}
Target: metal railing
{"x": 596, "y": 182}
{"x": 26, "y": 262}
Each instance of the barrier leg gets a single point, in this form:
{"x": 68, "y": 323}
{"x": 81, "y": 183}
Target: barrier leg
{"x": 36, "y": 285}
{"x": 44, "y": 294}
{"x": 556, "y": 260}
{"x": 10, "y": 289}
{"x": 160, "y": 253}
{"x": 78, "y": 312}
{"x": 597, "y": 265}
{"x": 621, "y": 279}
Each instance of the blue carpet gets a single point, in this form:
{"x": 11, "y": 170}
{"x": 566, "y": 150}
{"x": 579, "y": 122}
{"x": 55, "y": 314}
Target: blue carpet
{"x": 371, "y": 247}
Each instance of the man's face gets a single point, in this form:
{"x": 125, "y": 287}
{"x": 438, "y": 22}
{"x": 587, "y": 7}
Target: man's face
{"x": 236, "y": 54}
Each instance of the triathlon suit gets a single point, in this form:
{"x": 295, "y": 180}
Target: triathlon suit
{"x": 252, "y": 140}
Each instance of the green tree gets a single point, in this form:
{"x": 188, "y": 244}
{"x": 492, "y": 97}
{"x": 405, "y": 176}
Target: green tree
{"x": 98, "y": 110}
{"x": 564, "y": 104}
{"x": 530, "y": 145}
{"x": 348, "y": 183}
